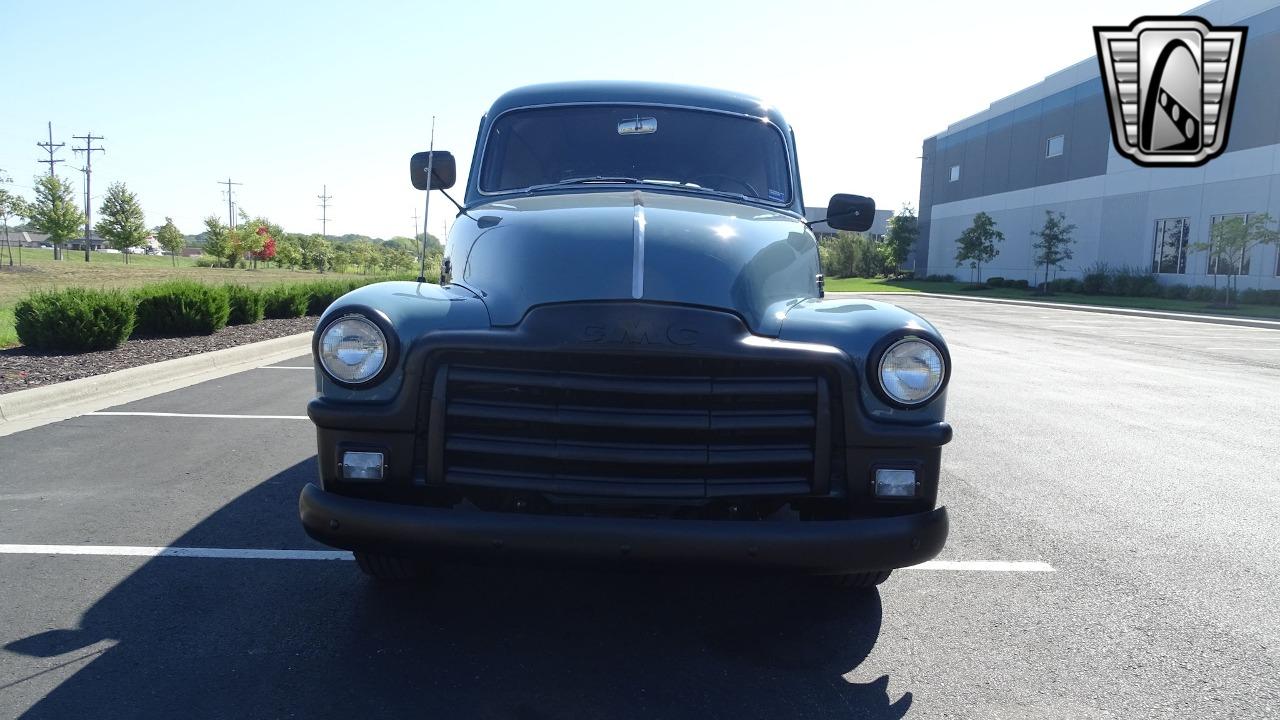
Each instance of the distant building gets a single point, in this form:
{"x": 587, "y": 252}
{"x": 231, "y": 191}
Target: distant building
{"x": 878, "y": 228}
{"x": 1049, "y": 147}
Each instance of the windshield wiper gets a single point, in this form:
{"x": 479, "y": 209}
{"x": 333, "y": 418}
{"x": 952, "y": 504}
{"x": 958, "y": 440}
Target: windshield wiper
{"x": 604, "y": 179}
{"x": 713, "y": 191}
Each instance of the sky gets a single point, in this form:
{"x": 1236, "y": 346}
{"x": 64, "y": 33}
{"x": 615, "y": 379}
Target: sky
{"x": 290, "y": 98}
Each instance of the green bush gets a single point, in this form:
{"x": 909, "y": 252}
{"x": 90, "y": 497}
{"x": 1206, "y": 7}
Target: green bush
{"x": 180, "y": 308}
{"x": 247, "y": 305}
{"x": 1202, "y": 293}
{"x": 205, "y": 261}
{"x": 995, "y": 282}
{"x": 1251, "y": 296}
{"x": 940, "y": 278}
{"x": 1175, "y": 292}
{"x": 322, "y": 294}
{"x": 1019, "y": 284}
{"x": 75, "y": 320}
{"x": 1067, "y": 285}
{"x": 286, "y": 301}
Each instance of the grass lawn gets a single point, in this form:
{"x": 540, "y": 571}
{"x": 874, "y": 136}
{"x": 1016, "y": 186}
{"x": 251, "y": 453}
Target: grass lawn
{"x": 1140, "y": 303}
{"x": 39, "y": 271}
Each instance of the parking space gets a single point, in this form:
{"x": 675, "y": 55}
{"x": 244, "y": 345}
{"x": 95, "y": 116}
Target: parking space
{"x": 1126, "y": 462}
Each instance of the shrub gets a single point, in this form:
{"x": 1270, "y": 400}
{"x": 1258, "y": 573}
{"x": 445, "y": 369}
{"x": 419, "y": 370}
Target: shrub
{"x": 1200, "y": 293}
{"x": 286, "y": 301}
{"x": 179, "y": 308}
{"x": 247, "y": 305}
{"x": 1019, "y": 284}
{"x": 205, "y": 261}
{"x": 1070, "y": 285}
{"x": 1175, "y": 292}
{"x": 75, "y": 320}
{"x": 322, "y": 294}
{"x": 1252, "y": 296}
{"x": 995, "y": 282}
{"x": 940, "y": 278}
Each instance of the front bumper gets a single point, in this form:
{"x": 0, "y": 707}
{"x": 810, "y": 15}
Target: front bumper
{"x": 816, "y": 547}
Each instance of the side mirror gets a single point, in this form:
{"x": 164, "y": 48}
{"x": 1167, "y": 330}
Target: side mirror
{"x": 851, "y": 212}
{"x": 443, "y": 168}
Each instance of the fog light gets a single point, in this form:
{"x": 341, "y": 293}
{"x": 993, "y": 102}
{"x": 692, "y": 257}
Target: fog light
{"x": 362, "y": 466}
{"x": 891, "y": 482}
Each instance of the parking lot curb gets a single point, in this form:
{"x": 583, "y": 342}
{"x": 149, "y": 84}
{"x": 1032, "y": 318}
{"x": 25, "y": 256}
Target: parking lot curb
{"x": 1133, "y": 312}
{"x": 26, "y": 409}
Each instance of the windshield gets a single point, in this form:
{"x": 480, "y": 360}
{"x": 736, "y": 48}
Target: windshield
{"x": 609, "y": 144}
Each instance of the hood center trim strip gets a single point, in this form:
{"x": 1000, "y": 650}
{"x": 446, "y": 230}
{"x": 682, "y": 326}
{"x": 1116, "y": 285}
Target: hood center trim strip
{"x": 637, "y": 245}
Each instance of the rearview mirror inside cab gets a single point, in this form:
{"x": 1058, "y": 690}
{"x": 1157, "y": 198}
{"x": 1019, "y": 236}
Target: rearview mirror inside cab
{"x": 443, "y": 170}
{"x": 851, "y": 212}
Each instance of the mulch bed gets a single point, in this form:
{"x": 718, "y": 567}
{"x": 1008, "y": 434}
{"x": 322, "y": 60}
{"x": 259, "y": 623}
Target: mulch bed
{"x": 21, "y": 368}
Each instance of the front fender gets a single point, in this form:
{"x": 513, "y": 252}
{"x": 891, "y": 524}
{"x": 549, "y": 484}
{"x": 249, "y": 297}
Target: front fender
{"x": 413, "y": 310}
{"x": 856, "y": 326}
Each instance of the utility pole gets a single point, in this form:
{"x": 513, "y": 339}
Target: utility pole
{"x": 415, "y": 225}
{"x": 324, "y": 197}
{"x": 50, "y": 148}
{"x": 231, "y": 214}
{"x": 88, "y": 151}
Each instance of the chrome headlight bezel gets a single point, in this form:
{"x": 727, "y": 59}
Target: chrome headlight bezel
{"x": 875, "y": 369}
{"x": 378, "y": 322}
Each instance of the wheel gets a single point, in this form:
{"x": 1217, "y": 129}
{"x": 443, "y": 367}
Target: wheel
{"x": 867, "y": 579}
{"x": 391, "y": 567}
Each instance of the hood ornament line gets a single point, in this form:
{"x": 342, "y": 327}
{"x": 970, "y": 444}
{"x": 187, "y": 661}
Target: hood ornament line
{"x": 637, "y": 246}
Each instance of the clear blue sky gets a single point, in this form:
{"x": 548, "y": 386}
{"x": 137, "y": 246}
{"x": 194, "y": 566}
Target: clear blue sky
{"x": 287, "y": 97}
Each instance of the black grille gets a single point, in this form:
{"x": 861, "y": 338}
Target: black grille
{"x": 627, "y": 426}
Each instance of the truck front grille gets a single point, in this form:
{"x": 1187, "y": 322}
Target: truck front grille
{"x": 626, "y": 426}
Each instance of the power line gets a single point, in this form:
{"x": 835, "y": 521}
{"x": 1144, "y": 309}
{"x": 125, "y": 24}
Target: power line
{"x": 50, "y": 148}
{"x": 324, "y": 197}
{"x": 231, "y": 215}
{"x": 88, "y": 151}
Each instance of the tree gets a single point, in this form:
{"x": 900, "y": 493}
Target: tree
{"x": 171, "y": 239}
{"x": 217, "y": 239}
{"x": 123, "y": 224}
{"x": 317, "y": 253}
{"x": 977, "y": 244}
{"x": 11, "y": 206}
{"x": 54, "y": 211}
{"x": 1054, "y": 247}
{"x": 903, "y": 233}
{"x": 289, "y": 251}
{"x": 1231, "y": 241}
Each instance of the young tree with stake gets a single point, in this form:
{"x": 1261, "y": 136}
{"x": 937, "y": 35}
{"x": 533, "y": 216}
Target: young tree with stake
{"x": 1231, "y": 241}
{"x": 123, "y": 224}
{"x": 170, "y": 239}
{"x": 1054, "y": 247}
{"x": 54, "y": 211}
{"x": 977, "y": 244}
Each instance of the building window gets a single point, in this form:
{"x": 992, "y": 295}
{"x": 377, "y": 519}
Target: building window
{"x": 1053, "y": 148}
{"x": 1171, "y": 246}
{"x": 955, "y": 173}
{"x": 1221, "y": 263}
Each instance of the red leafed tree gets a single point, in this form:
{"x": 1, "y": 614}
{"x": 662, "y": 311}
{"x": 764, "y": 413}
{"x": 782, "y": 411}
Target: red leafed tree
{"x": 268, "y": 251}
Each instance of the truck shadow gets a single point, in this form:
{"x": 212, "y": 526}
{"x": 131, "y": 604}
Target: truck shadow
{"x": 221, "y": 638}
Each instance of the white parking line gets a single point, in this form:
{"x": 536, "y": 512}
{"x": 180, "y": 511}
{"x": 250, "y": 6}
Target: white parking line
{"x": 256, "y": 554}
{"x": 198, "y": 415}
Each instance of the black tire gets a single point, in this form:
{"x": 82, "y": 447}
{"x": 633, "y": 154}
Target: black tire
{"x": 867, "y": 579}
{"x": 390, "y": 567}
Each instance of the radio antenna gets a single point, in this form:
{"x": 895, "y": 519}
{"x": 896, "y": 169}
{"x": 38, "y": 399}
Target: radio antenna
{"x": 426, "y": 210}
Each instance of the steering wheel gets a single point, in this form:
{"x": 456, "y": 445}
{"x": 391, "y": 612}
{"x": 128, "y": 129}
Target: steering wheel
{"x": 713, "y": 176}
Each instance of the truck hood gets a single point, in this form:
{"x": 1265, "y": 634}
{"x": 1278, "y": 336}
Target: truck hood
{"x": 634, "y": 245}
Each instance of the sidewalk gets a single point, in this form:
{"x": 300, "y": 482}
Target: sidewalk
{"x": 1239, "y": 321}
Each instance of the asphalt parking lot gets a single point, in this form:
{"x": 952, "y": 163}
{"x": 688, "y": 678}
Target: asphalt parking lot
{"x": 1139, "y": 459}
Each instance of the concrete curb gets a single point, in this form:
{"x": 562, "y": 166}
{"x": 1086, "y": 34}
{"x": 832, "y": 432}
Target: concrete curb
{"x": 26, "y": 409}
{"x": 1134, "y": 312}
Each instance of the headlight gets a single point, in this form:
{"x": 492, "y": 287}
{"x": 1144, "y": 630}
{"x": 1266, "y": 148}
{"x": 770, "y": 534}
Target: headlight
{"x": 911, "y": 371}
{"x": 353, "y": 349}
